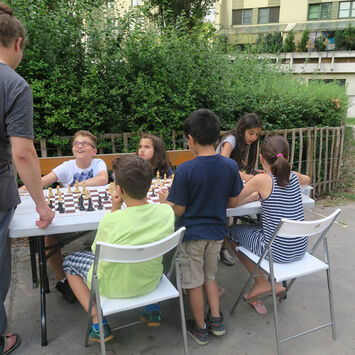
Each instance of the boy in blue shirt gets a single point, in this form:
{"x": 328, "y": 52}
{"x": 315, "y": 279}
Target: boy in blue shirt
{"x": 202, "y": 190}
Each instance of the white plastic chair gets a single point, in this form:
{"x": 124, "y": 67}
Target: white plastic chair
{"x": 309, "y": 264}
{"x": 135, "y": 254}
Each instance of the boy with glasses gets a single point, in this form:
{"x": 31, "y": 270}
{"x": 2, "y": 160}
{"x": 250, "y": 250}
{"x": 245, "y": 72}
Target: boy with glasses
{"x": 84, "y": 168}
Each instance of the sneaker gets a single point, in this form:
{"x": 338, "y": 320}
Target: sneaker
{"x": 66, "y": 291}
{"x": 152, "y": 318}
{"x": 215, "y": 324}
{"x": 94, "y": 334}
{"x": 198, "y": 334}
{"x": 226, "y": 257}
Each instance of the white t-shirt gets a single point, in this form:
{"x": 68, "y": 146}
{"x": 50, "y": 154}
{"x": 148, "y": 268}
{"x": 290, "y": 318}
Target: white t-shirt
{"x": 230, "y": 139}
{"x": 68, "y": 172}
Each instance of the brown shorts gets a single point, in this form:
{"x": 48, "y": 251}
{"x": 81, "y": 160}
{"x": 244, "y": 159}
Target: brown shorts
{"x": 198, "y": 262}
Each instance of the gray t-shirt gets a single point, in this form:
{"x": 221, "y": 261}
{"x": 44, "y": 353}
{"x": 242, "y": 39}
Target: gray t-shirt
{"x": 16, "y": 120}
{"x": 230, "y": 139}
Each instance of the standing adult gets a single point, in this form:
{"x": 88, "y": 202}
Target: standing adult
{"x": 16, "y": 142}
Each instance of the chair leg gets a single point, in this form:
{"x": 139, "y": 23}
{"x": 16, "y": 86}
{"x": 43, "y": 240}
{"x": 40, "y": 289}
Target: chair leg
{"x": 331, "y": 305}
{"x": 99, "y": 315}
{"x": 274, "y": 301}
{"x": 182, "y": 310}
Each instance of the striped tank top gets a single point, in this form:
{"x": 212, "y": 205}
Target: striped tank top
{"x": 283, "y": 202}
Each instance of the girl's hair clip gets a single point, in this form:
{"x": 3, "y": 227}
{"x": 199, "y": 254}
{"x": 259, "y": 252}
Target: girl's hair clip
{"x": 279, "y": 155}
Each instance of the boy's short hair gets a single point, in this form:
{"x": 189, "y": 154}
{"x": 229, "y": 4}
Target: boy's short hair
{"x": 86, "y": 134}
{"x": 203, "y": 125}
{"x": 134, "y": 175}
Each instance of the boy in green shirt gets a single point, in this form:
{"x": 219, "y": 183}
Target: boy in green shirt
{"x": 140, "y": 223}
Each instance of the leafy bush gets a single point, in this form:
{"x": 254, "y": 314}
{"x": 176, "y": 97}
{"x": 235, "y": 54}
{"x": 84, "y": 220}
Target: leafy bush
{"x": 319, "y": 44}
{"x": 289, "y": 44}
{"x": 302, "y": 45}
{"x": 128, "y": 78}
{"x": 270, "y": 43}
{"x": 345, "y": 39}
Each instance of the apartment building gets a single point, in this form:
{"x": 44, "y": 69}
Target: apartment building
{"x": 244, "y": 20}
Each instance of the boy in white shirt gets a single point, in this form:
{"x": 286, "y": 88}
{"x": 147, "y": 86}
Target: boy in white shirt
{"x": 83, "y": 168}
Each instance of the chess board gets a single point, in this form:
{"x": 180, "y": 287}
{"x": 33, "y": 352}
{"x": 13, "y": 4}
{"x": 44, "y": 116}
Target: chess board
{"x": 71, "y": 205}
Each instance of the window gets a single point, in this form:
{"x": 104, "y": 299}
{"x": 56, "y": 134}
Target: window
{"x": 339, "y": 82}
{"x": 268, "y": 14}
{"x": 320, "y": 11}
{"x": 347, "y": 9}
{"x": 242, "y": 17}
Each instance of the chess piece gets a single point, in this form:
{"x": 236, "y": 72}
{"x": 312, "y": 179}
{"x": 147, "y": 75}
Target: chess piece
{"x": 84, "y": 188}
{"x": 48, "y": 200}
{"x": 172, "y": 177}
{"x": 90, "y": 206}
{"x": 87, "y": 195}
{"x": 50, "y": 204}
{"x": 80, "y": 200}
{"x": 153, "y": 193}
{"x": 100, "y": 206}
{"x": 69, "y": 189}
{"x": 50, "y": 192}
{"x": 60, "y": 198}
{"x": 106, "y": 196}
{"x": 77, "y": 191}
{"x": 165, "y": 178}
{"x": 81, "y": 207}
{"x": 61, "y": 208}
{"x": 58, "y": 190}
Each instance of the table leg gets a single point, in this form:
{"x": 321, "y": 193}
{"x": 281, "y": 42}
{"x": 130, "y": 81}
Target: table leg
{"x": 43, "y": 280}
{"x": 33, "y": 250}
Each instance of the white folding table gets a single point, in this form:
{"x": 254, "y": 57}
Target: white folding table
{"x": 23, "y": 225}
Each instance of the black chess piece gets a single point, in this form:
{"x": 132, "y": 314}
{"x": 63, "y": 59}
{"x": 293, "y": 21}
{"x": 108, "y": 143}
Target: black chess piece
{"x": 81, "y": 204}
{"x": 106, "y": 196}
{"x": 80, "y": 200}
{"x": 90, "y": 206}
{"x": 50, "y": 204}
{"x": 61, "y": 207}
{"x": 100, "y": 205}
{"x": 153, "y": 193}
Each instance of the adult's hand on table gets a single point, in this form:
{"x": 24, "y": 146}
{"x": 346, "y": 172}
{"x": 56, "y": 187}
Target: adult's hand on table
{"x": 46, "y": 216}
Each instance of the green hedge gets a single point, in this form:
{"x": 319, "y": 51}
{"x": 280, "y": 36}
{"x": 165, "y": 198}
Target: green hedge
{"x": 115, "y": 76}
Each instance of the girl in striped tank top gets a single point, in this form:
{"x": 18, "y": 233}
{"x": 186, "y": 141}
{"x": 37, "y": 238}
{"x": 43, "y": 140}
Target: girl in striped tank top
{"x": 280, "y": 196}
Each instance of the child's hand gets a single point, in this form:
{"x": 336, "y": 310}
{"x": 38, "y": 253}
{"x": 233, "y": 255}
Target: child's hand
{"x": 117, "y": 201}
{"x": 163, "y": 194}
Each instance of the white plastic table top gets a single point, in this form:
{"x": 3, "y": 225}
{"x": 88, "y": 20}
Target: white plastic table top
{"x": 24, "y": 221}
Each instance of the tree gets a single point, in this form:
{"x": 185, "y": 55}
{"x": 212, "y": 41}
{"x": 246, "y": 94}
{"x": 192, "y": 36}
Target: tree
{"x": 302, "y": 46}
{"x": 171, "y": 13}
{"x": 289, "y": 45}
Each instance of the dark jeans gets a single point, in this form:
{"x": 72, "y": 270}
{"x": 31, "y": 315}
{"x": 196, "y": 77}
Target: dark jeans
{"x": 5, "y": 263}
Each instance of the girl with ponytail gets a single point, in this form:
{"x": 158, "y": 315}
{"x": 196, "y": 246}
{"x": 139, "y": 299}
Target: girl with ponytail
{"x": 280, "y": 197}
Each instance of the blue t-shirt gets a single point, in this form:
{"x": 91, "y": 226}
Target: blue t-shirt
{"x": 204, "y": 185}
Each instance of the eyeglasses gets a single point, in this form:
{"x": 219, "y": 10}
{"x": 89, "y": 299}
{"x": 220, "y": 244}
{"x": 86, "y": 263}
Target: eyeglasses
{"x": 83, "y": 144}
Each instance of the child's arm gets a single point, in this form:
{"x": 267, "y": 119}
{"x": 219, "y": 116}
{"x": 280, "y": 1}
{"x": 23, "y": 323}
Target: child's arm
{"x": 303, "y": 179}
{"x": 100, "y": 179}
{"x": 251, "y": 191}
{"x": 178, "y": 209}
{"x": 227, "y": 149}
{"x": 45, "y": 180}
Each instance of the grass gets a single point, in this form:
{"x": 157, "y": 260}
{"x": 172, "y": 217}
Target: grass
{"x": 345, "y": 190}
{"x": 350, "y": 121}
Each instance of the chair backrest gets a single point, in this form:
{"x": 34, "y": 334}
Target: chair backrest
{"x": 288, "y": 228}
{"x": 138, "y": 253}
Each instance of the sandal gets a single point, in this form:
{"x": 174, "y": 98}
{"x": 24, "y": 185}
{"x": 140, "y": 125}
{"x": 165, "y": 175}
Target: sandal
{"x": 3, "y": 343}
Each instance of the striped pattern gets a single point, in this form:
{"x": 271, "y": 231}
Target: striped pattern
{"x": 283, "y": 202}
{"x": 79, "y": 263}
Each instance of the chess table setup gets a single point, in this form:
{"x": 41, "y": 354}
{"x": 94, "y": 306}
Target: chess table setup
{"x": 80, "y": 200}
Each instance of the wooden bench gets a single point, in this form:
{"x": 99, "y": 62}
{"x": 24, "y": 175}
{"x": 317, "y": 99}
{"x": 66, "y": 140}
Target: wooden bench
{"x": 176, "y": 157}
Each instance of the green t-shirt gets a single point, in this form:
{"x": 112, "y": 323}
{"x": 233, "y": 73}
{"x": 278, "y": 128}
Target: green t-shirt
{"x": 132, "y": 226}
